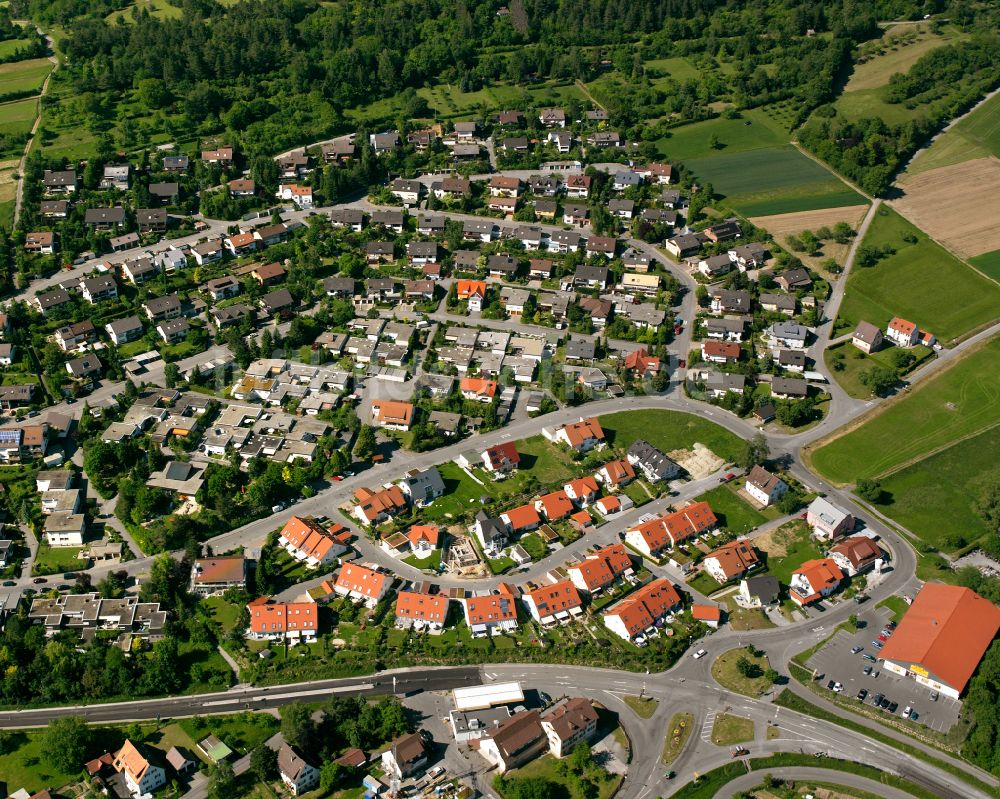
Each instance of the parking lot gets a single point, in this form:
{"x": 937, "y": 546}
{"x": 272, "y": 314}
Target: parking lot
{"x": 835, "y": 662}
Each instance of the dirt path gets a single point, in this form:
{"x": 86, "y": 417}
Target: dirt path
{"x": 586, "y": 93}
{"x": 831, "y": 170}
{"x": 34, "y": 128}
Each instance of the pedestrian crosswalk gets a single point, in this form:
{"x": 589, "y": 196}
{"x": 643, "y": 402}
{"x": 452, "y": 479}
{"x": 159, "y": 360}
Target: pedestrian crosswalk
{"x": 706, "y": 727}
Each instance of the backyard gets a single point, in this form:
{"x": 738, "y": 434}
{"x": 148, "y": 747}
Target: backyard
{"x": 856, "y": 362}
{"x": 956, "y": 403}
{"x": 787, "y": 548}
{"x": 920, "y": 281}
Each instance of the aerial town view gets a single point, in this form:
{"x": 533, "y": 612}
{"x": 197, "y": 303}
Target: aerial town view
{"x": 516, "y": 399}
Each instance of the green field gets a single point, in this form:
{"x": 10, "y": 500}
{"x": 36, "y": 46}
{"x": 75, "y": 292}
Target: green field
{"x": 856, "y": 362}
{"x": 447, "y": 100}
{"x": 692, "y": 141}
{"x": 11, "y": 46}
{"x": 669, "y": 430}
{"x": 22, "y": 76}
{"x": 24, "y": 766}
{"x": 733, "y": 513}
{"x": 156, "y": 8}
{"x": 18, "y": 116}
{"x": 933, "y": 497}
{"x": 988, "y": 263}
{"x": 680, "y": 69}
{"x": 975, "y": 136}
{"x": 921, "y": 282}
{"x": 900, "y": 48}
{"x": 961, "y": 401}
{"x": 772, "y": 180}
{"x": 788, "y": 547}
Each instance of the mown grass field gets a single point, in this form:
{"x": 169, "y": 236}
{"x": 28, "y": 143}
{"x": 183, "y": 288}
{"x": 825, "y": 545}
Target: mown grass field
{"x": 733, "y": 513}
{"x": 754, "y": 129}
{"x": 156, "y": 8}
{"x": 961, "y": 401}
{"x": 772, "y": 180}
{"x": 856, "y": 362}
{"x": 680, "y": 69}
{"x": 901, "y": 47}
{"x": 933, "y": 498}
{"x": 22, "y": 76}
{"x": 988, "y": 263}
{"x": 921, "y": 282}
{"x": 448, "y": 101}
{"x": 11, "y": 46}
{"x": 669, "y": 430}
{"x": 975, "y": 136}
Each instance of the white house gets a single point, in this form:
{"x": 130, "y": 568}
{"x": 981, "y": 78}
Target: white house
{"x": 902, "y": 333}
{"x": 765, "y": 487}
{"x": 296, "y": 773}
{"x": 141, "y": 775}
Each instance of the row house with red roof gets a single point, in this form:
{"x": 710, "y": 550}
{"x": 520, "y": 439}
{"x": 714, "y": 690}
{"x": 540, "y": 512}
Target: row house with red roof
{"x": 665, "y": 532}
{"x": 493, "y": 613}
{"x": 814, "y": 580}
{"x": 275, "y": 621}
{"x": 555, "y": 603}
{"x": 362, "y": 584}
{"x": 582, "y": 436}
{"x": 308, "y": 541}
{"x": 421, "y": 611}
{"x": 637, "y": 616}
{"x": 601, "y": 569}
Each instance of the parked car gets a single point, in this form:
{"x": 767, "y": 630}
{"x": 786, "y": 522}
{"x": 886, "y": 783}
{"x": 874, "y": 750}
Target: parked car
{"x": 867, "y": 670}
{"x": 856, "y": 649}
{"x": 862, "y": 694}
{"x": 869, "y": 658}
{"x": 699, "y": 654}
{"x": 877, "y": 699}
{"x": 906, "y": 712}
{"x": 39, "y": 580}
{"x": 8, "y": 583}
{"x": 883, "y": 638}
{"x": 934, "y": 696}
{"x": 893, "y": 706}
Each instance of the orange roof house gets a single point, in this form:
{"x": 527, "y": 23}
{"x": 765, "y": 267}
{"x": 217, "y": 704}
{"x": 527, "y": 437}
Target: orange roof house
{"x": 583, "y": 490}
{"x": 361, "y": 583}
{"x": 416, "y": 607}
{"x": 374, "y": 508}
{"x": 484, "y": 613}
{"x": 501, "y": 457}
{"x": 309, "y": 541}
{"x": 601, "y": 568}
{"x": 271, "y": 620}
{"x": 642, "y": 609}
{"x": 523, "y": 517}
{"x": 667, "y": 531}
{"x": 581, "y": 435}
{"x": 814, "y": 580}
{"x": 553, "y": 602}
{"x": 720, "y": 351}
{"x": 475, "y": 388}
{"x": 616, "y": 473}
{"x": 424, "y": 536}
{"x": 392, "y": 414}
{"x": 555, "y": 506}
{"x": 141, "y": 775}
{"x": 467, "y": 288}
{"x": 709, "y": 614}
{"x": 943, "y": 637}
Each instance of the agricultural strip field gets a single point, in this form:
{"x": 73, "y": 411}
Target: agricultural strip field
{"x": 897, "y": 51}
{"x": 18, "y": 116}
{"x": 773, "y": 180}
{"x": 669, "y": 430}
{"x": 921, "y": 282}
{"x": 974, "y": 136}
{"x": 988, "y": 263}
{"x": 23, "y": 76}
{"x": 753, "y": 129}
{"x": 933, "y": 497}
{"x": 11, "y": 46}
{"x": 957, "y": 205}
{"x": 961, "y": 401}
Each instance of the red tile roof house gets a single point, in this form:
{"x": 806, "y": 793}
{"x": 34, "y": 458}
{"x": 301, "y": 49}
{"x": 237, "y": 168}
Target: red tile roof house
{"x": 581, "y": 436}
{"x": 731, "y": 561}
{"x": 374, "y": 508}
{"x": 501, "y": 458}
{"x": 515, "y": 741}
{"x": 275, "y": 621}
{"x": 902, "y": 333}
{"x": 720, "y": 351}
{"x": 856, "y": 554}
{"x": 555, "y": 506}
{"x": 615, "y": 474}
{"x": 361, "y": 584}
{"x": 424, "y": 539}
{"x": 216, "y": 575}
{"x": 521, "y": 519}
{"x": 583, "y": 491}
{"x": 942, "y": 638}
{"x": 641, "y": 362}
{"x": 421, "y": 611}
{"x": 554, "y": 603}
{"x": 601, "y": 568}
{"x": 814, "y": 580}
{"x": 707, "y": 614}
{"x": 656, "y": 536}
{"x": 310, "y": 542}
{"x": 491, "y": 614}
{"x": 568, "y": 724}
{"x": 636, "y": 616}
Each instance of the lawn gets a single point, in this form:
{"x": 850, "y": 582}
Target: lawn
{"x": 733, "y": 513}
{"x": 223, "y": 613}
{"x": 551, "y": 770}
{"x": 11, "y": 46}
{"x": 901, "y": 46}
{"x": 18, "y": 116}
{"x": 772, "y": 180}
{"x": 742, "y": 619}
{"x": 461, "y": 493}
{"x": 958, "y": 402}
{"x": 727, "y": 674}
{"x": 680, "y": 69}
{"x": 156, "y": 8}
{"x": 856, "y": 362}
{"x": 447, "y": 100}
{"x": 975, "y": 136}
{"x": 643, "y": 706}
{"x": 692, "y": 141}
{"x": 921, "y": 282}
{"x": 897, "y": 605}
{"x": 729, "y": 729}
{"x": 669, "y": 430}
{"x": 637, "y": 493}
{"x": 56, "y": 560}
{"x": 787, "y": 548}
{"x": 704, "y": 583}
{"x": 534, "y": 546}
{"x": 678, "y": 733}
{"x": 549, "y": 465}
{"x": 24, "y": 766}
{"x": 241, "y": 732}
{"x": 933, "y": 497}
{"x": 24, "y": 76}
{"x": 430, "y": 563}
{"x": 988, "y": 263}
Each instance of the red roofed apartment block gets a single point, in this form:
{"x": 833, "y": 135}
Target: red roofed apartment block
{"x": 636, "y": 615}
{"x": 362, "y": 584}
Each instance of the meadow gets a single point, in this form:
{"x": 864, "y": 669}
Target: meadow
{"x": 897, "y": 51}
{"x": 773, "y": 180}
{"x": 669, "y": 430}
{"x": 933, "y": 497}
{"x": 856, "y": 362}
{"x": 23, "y": 76}
{"x": 18, "y": 116}
{"x": 157, "y": 8}
{"x": 988, "y": 263}
{"x": 751, "y": 130}
{"x": 975, "y": 136}
{"x": 921, "y": 282}
{"x": 961, "y": 401}
{"x": 11, "y": 46}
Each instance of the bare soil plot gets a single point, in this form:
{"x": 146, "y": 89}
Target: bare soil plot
{"x": 699, "y": 461}
{"x": 783, "y": 225}
{"x": 956, "y": 205}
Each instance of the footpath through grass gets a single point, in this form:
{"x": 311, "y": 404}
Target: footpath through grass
{"x": 921, "y": 282}
{"x": 961, "y": 401}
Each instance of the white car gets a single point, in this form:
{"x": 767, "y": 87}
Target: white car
{"x": 699, "y": 654}
{"x": 435, "y": 771}
{"x": 906, "y": 712}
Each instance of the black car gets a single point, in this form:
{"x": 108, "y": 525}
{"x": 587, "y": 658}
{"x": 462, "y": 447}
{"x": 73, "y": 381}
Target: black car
{"x": 39, "y": 580}
{"x": 877, "y": 699}
{"x": 884, "y": 704}
{"x": 893, "y": 706}
{"x": 830, "y": 684}
{"x": 8, "y": 583}
{"x": 862, "y": 694}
